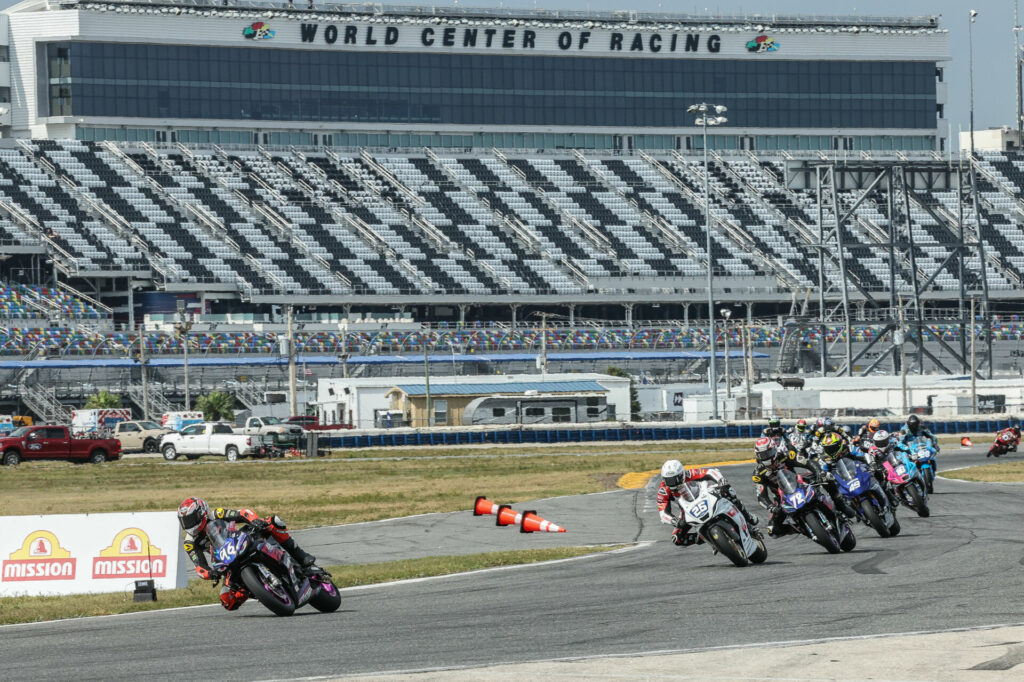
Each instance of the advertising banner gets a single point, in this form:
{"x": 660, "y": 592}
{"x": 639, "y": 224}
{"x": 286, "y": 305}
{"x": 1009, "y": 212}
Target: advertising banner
{"x": 83, "y": 553}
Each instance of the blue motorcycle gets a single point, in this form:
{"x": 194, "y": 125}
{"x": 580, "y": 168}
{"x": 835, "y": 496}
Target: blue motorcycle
{"x": 922, "y": 452}
{"x": 857, "y": 484}
{"x": 811, "y": 510}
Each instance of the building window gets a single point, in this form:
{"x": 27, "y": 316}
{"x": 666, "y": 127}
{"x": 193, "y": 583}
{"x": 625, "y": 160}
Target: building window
{"x": 593, "y": 412}
{"x": 498, "y": 412}
{"x": 440, "y": 412}
{"x": 534, "y": 411}
{"x": 561, "y": 414}
{"x": 592, "y": 402}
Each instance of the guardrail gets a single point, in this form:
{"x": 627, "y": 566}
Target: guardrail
{"x": 605, "y": 434}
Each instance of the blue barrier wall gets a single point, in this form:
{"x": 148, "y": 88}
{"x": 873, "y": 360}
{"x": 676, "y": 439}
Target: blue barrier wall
{"x": 584, "y": 435}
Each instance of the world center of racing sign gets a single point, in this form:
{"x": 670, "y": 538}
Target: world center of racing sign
{"x": 83, "y": 553}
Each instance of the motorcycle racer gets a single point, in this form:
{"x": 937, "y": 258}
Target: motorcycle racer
{"x": 914, "y": 429}
{"x": 770, "y": 460}
{"x": 673, "y": 476}
{"x": 1006, "y": 441}
{"x": 866, "y": 433}
{"x": 194, "y": 514}
{"x": 774, "y": 429}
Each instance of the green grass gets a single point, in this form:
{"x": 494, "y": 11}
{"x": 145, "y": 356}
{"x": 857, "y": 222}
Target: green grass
{"x": 327, "y": 492}
{"x": 199, "y": 592}
{"x": 1001, "y": 472}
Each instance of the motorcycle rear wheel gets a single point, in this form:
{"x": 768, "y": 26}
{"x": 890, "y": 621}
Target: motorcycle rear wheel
{"x": 872, "y": 517}
{"x": 280, "y": 605}
{"x": 821, "y": 536}
{"x": 726, "y": 544}
{"x": 918, "y": 502}
{"x": 327, "y": 598}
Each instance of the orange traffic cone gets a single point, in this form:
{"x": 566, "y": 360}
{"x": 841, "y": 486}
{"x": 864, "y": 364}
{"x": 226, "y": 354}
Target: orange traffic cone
{"x": 966, "y": 442}
{"x": 532, "y": 523}
{"x": 507, "y": 516}
{"x": 483, "y": 506}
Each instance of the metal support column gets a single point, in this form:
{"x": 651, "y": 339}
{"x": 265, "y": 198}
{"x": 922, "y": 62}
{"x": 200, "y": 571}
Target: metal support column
{"x": 823, "y": 345}
{"x": 842, "y": 274}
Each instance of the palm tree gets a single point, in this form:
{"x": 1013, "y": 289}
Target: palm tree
{"x": 217, "y": 406}
{"x": 103, "y": 400}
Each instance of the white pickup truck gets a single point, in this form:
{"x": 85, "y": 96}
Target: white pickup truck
{"x": 260, "y": 426}
{"x": 209, "y": 438}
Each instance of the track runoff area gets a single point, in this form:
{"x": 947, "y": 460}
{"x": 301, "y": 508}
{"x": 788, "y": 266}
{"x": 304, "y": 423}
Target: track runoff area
{"x": 923, "y": 605}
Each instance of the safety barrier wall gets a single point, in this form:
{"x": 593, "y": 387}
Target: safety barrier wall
{"x": 620, "y": 433}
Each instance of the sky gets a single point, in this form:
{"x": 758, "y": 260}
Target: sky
{"x": 994, "y": 73}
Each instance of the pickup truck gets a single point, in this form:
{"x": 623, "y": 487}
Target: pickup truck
{"x": 55, "y": 442}
{"x": 138, "y": 436}
{"x": 209, "y": 438}
{"x": 261, "y": 426}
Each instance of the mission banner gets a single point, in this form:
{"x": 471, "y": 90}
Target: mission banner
{"x": 86, "y": 553}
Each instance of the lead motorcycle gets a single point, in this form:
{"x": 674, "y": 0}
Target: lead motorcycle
{"x": 255, "y": 565}
{"x": 811, "y": 510}
{"x": 719, "y": 523}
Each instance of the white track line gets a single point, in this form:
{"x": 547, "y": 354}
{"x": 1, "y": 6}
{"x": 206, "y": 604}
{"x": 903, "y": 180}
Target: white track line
{"x": 660, "y": 652}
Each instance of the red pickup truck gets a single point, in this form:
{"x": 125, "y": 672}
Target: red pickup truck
{"x": 55, "y": 442}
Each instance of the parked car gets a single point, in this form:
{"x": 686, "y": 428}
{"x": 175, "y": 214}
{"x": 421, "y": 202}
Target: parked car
{"x": 312, "y": 423}
{"x": 260, "y": 426}
{"x": 210, "y": 438}
{"x": 55, "y": 442}
{"x": 139, "y": 436}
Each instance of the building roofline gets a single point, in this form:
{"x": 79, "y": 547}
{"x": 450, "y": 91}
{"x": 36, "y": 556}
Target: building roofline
{"x": 440, "y": 15}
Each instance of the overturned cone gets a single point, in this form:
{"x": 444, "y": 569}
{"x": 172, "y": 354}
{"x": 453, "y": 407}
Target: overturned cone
{"x": 507, "y": 516}
{"x": 532, "y": 523}
{"x": 966, "y": 442}
{"x": 483, "y": 507}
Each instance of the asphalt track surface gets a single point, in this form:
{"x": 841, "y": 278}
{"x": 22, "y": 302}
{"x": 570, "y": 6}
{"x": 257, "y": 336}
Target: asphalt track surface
{"x": 959, "y": 568}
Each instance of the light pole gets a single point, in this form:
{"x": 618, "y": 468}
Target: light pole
{"x": 726, "y": 314}
{"x": 985, "y": 311}
{"x": 183, "y": 327}
{"x": 970, "y": 62}
{"x": 709, "y": 115}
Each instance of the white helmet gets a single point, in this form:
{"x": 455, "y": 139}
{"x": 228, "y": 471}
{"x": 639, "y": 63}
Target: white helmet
{"x": 673, "y": 473}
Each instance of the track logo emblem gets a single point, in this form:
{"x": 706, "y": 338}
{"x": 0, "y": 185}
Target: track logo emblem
{"x": 763, "y": 44}
{"x": 130, "y": 555}
{"x": 40, "y": 558}
{"x": 257, "y": 31}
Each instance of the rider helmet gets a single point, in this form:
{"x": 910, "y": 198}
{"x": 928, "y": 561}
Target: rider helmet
{"x": 874, "y": 425}
{"x": 1016, "y": 430}
{"x": 673, "y": 473}
{"x": 913, "y": 423}
{"x": 828, "y": 424}
{"x": 764, "y": 450}
{"x": 801, "y": 425}
{"x": 846, "y": 430}
{"x": 831, "y": 445}
{"x": 193, "y": 515}
{"x": 881, "y": 439}
{"x": 774, "y": 423}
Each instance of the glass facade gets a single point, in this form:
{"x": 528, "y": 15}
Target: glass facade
{"x": 254, "y": 84}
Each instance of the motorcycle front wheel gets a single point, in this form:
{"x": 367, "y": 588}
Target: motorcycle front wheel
{"x": 821, "y": 536}
{"x": 867, "y": 508}
{"x": 726, "y": 544}
{"x": 918, "y": 502}
{"x": 275, "y": 599}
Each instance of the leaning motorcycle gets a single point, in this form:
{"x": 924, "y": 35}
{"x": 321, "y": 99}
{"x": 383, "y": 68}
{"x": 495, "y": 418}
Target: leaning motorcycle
{"x": 905, "y": 478}
{"x": 923, "y": 452}
{"x": 719, "y": 523}
{"x": 253, "y": 563}
{"x": 1003, "y": 444}
{"x": 857, "y": 484}
{"x": 810, "y": 509}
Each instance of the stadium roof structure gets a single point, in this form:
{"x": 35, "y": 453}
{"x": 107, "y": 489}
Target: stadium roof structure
{"x": 624, "y": 19}
{"x": 502, "y": 387}
{"x": 258, "y": 361}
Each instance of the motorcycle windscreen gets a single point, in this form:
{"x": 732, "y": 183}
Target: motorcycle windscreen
{"x": 847, "y": 469}
{"x": 218, "y": 531}
{"x": 787, "y": 482}
{"x": 689, "y": 491}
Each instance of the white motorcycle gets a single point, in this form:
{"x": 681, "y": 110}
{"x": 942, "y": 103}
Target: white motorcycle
{"x": 719, "y": 523}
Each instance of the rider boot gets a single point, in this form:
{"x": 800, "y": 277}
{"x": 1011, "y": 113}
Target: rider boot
{"x": 305, "y": 560}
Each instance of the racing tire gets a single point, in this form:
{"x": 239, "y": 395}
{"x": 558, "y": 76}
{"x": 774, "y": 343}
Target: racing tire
{"x": 725, "y": 543}
{"x": 170, "y": 453}
{"x": 895, "y": 528}
{"x": 931, "y": 481}
{"x": 280, "y": 605}
{"x": 231, "y": 453}
{"x": 150, "y": 446}
{"x": 760, "y": 554}
{"x": 327, "y": 599}
{"x": 849, "y": 542}
{"x": 821, "y": 536}
{"x": 918, "y": 502}
{"x": 872, "y": 517}
{"x": 98, "y": 456}
{"x": 11, "y": 458}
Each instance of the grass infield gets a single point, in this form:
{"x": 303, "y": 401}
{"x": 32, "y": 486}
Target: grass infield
{"x": 199, "y": 592}
{"x": 1001, "y": 472}
{"x": 334, "y": 491}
